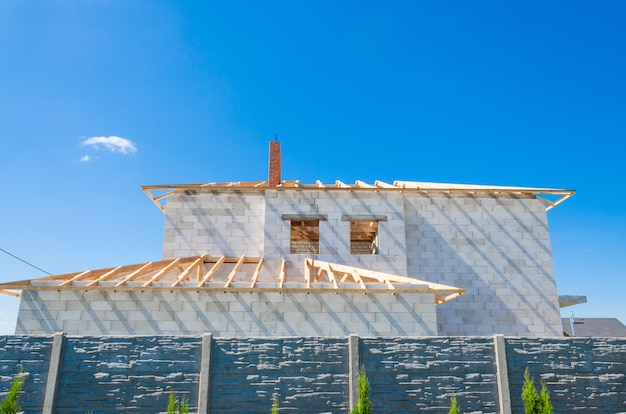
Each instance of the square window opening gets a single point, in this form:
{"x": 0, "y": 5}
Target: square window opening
{"x": 363, "y": 237}
{"x": 305, "y": 236}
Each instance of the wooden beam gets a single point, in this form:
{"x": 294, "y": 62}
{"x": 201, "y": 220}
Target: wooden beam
{"x": 357, "y": 278}
{"x": 108, "y": 274}
{"x": 257, "y": 272}
{"x": 331, "y": 274}
{"x": 189, "y": 269}
{"x": 307, "y": 272}
{"x": 383, "y": 184}
{"x": 386, "y": 278}
{"x": 363, "y": 184}
{"x": 282, "y": 274}
{"x": 233, "y": 273}
{"x": 133, "y": 274}
{"x": 155, "y": 200}
{"x": 77, "y": 277}
{"x": 162, "y": 272}
{"x": 207, "y": 277}
{"x": 9, "y": 293}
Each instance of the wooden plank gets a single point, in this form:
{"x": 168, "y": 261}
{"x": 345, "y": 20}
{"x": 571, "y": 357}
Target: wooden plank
{"x": 207, "y": 277}
{"x": 357, "y": 278}
{"x": 559, "y": 201}
{"x": 189, "y": 269}
{"x": 545, "y": 201}
{"x": 233, "y": 273}
{"x": 282, "y": 275}
{"x": 331, "y": 274}
{"x": 363, "y": 184}
{"x": 77, "y": 277}
{"x": 307, "y": 272}
{"x": 257, "y": 272}
{"x": 162, "y": 272}
{"x": 9, "y": 293}
{"x": 108, "y": 274}
{"x": 388, "y": 278}
{"x": 134, "y": 274}
{"x": 154, "y": 200}
{"x": 382, "y": 184}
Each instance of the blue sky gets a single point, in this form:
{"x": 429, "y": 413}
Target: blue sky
{"x": 528, "y": 94}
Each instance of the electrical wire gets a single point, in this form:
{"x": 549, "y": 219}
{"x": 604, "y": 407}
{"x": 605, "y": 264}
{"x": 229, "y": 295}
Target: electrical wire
{"x": 24, "y": 261}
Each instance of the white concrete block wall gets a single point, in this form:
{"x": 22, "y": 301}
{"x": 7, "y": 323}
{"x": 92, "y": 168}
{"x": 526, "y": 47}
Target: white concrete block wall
{"x": 498, "y": 249}
{"x": 229, "y": 224}
{"x": 226, "y": 314}
{"x": 334, "y": 231}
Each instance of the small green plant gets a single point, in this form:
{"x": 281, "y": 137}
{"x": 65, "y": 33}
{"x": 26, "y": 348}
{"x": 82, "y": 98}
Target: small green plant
{"x": 275, "y": 405}
{"x": 544, "y": 399}
{"x": 11, "y": 403}
{"x": 364, "y": 405}
{"x": 177, "y": 407}
{"x": 535, "y": 403}
{"x": 454, "y": 407}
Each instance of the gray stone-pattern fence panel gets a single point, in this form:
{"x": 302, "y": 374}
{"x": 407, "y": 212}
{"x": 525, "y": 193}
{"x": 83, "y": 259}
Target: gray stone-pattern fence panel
{"x": 582, "y": 374}
{"x": 127, "y": 374}
{"x": 107, "y": 374}
{"x": 306, "y": 375}
{"x": 413, "y": 375}
{"x": 30, "y": 356}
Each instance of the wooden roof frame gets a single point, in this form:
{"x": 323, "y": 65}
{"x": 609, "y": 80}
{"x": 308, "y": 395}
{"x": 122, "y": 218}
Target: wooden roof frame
{"x": 191, "y": 274}
{"x": 159, "y": 193}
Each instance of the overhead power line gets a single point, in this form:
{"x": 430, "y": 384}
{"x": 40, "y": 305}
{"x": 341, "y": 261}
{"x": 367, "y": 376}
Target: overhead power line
{"x": 24, "y": 261}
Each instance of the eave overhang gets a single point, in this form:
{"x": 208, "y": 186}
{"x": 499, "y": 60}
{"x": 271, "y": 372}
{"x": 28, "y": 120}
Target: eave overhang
{"x": 550, "y": 197}
{"x": 221, "y": 273}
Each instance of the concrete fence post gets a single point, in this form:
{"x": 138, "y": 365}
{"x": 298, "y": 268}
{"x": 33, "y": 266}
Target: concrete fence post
{"x": 354, "y": 364}
{"x": 204, "y": 384}
{"x": 53, "y": 373}
{"x": 502, "y": 374}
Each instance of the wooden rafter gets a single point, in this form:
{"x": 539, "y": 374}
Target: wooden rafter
{"x": 282, "y": 274}
{"x": 256, "y": 274}
{"x": 213, "y": 271}
{"x": 233, "y": 273}
{"x": 223, "y": 273}
{"x": 185, "y": 273}
{"x": 165, "y": 191}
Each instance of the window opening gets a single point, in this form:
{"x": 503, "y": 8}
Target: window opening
{"x": 305, "y": 236}
{"x": 363, "y": 237}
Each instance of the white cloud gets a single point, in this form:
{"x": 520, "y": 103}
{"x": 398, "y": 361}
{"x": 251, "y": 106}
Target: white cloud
{"x": 86, "y": 158}
{"x": 113, "y": 144}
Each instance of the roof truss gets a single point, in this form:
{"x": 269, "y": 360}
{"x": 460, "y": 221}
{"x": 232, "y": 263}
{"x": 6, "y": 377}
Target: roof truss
{"x": 550, "y": 197}
{"x": 221, "y": 273}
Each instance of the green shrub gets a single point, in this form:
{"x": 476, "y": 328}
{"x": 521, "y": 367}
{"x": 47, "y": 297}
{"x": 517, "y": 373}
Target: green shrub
{"x": 544, "y": 399}
{"x": 11, "y": 403}
{"x": 364, "y": 405}
{"x": 177, "y": 407}
{"x": 454, "y": 408}
{"x": 535, "y": 403}
{"x": 275, "y": 405}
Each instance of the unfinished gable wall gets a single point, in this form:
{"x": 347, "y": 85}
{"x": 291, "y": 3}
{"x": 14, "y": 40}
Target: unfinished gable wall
{"x": 498, "y": 249}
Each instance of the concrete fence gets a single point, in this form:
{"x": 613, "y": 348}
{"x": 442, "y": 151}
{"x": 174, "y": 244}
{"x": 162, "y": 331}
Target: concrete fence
{"x": 103, "y": 374}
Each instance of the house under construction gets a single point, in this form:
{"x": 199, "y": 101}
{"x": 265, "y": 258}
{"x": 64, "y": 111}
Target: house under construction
{"x": 283, "y": 258}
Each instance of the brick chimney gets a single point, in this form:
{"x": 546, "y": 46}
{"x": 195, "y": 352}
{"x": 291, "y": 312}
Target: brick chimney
{"x": 275, "y": 165}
